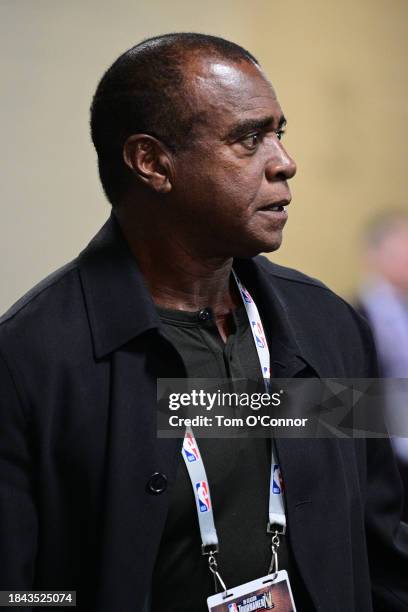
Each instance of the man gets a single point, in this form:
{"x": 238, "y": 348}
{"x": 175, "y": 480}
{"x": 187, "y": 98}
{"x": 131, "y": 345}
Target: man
{"x": 188, "y": 134}
{"x": 384, "y": 301}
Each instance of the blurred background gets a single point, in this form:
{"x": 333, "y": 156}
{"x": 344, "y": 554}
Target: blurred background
{"x": 339, "y": 70}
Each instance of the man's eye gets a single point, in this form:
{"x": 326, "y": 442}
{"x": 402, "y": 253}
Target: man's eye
{"x": 280, "y": 134}
{"x": 252, "y": 141}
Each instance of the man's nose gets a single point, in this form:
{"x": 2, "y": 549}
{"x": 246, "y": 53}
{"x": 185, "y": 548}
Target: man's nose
{"x": 280, "y": 166}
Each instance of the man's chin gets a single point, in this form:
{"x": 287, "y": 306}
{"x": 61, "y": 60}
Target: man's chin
{"x": 267, "y": 245}
{"x": 272, "y": 246}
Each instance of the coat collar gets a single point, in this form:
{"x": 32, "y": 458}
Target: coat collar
{"x": 289, "y": 353}
{"x": 120, "y": 306}
{"x": 118, "y": 302}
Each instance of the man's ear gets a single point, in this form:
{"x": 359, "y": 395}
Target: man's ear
{"x": 150, "y": 161}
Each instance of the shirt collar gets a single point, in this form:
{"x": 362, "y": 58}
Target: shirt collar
{"x": 121, "y": 308}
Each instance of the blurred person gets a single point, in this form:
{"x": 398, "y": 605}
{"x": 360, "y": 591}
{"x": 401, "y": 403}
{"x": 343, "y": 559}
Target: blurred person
{"x": 188, "y": 132}
{"x": 384, "y": 301}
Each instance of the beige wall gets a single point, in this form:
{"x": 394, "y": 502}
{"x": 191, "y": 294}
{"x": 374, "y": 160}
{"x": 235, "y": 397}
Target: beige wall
{"x": 339, "y": 71}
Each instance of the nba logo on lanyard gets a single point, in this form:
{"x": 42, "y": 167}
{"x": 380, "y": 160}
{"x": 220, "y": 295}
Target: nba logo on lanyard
{"x": 259, "y": 334}
{"x": 246, "y": 297}
{"x": 202, "y": 496}
{"x": 190, "y": 448}
{"x": 277, "y": 480}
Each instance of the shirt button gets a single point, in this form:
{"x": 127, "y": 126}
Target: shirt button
{"x": 204, "y": 314}
{"x": 157, "y": 483}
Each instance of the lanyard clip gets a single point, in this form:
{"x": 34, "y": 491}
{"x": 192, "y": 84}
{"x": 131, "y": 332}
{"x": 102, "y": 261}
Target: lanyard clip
{"x": 274, "y": 566}
{"x": 213, "y": 566}
{"x": 209, "y": 549}
{"x": 276, "y": 528}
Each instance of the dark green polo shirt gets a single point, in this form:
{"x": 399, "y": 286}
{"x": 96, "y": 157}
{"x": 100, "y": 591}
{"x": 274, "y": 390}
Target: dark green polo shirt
{"x": 238, "y": 472}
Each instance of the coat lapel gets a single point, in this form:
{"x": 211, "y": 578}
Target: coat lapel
{"x": 132, "y": 514}
{"x": 312, "y": 469}
{"x": 318, "y": 520}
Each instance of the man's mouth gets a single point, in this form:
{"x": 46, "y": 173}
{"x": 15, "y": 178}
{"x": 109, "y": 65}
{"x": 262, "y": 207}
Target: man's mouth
{"x": 276, "y": 207}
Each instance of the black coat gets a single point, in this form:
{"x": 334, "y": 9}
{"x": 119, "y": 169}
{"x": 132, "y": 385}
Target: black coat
{"x": 79, "y": 358}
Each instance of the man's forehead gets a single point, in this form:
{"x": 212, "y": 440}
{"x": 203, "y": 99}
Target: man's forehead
{"x": 235, "y": 89}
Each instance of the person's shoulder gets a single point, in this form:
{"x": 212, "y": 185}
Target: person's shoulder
{"x": 321, "y": 317}
{"x": 307, "y": 291}
{"x": 290, "y": 275}
{"x": 47, "y": 306}
{"x": 46, "y": 288}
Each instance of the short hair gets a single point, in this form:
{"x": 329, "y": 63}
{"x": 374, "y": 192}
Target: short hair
{"x": 381, "y": 225}
{"x": 143, "y": 92}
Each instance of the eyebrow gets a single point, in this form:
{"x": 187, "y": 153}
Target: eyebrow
{"x": 244, "y": 127}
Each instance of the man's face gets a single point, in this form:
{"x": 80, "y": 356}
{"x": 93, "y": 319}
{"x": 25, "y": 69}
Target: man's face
{"x": 231, "y": 181}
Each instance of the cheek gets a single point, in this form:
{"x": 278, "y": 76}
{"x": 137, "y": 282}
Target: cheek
{"x": 226, "y": 187}
{"x": 240, "y": 186}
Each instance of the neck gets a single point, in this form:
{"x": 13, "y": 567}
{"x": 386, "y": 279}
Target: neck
{"x": 176, "y": 276}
